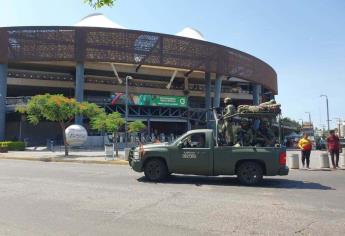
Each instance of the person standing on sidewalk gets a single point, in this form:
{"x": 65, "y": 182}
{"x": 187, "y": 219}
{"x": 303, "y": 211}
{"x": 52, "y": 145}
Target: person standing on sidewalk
{"x": 333, "y": 146}
{"x": 305, "y": 145}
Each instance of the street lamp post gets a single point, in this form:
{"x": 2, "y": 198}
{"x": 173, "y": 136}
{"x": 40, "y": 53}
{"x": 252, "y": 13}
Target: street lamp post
{"x": 126, "y": 114}
{"x": 323, "y": 95}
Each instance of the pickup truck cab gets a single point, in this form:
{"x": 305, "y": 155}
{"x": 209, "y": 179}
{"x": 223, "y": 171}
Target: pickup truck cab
{"x": 197, "y": 153}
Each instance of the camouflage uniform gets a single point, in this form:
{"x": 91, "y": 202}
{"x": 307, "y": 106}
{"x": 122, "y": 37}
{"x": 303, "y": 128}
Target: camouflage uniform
{"x": 244, "y": 135}
{"x": 227, "y": 127}
{"x": 265, "y": 136}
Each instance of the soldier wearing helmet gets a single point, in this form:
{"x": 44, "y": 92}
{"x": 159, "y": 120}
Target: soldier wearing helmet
{"x": 244, "y": 135}
{"x": 227, "y": 127}
{"x": 264, "y": 135}
{"x": 229, "y": 107}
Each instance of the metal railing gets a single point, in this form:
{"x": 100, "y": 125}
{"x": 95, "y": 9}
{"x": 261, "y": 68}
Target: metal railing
{"x": 89, "y": 79}
{"x": 196, "y": 114}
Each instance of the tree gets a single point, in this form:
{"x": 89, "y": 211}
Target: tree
{"x": 57, "y": 108}
{"x": 291, "y": 123}
{"x": 110, "y": 123}
{"x": 100, "y": 3}
{"x": 98, "y": 122}
{"x": 136, "y": 126}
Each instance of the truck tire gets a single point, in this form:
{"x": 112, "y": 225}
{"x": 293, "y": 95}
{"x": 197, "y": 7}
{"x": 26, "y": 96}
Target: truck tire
{"x": 249, "y": 173}
{"x": 155, "y": 170}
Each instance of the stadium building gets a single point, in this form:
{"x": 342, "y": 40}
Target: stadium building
{"x": 176, "y": 78}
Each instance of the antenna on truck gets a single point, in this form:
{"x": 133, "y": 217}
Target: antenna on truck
{"x": 214, "y": 112}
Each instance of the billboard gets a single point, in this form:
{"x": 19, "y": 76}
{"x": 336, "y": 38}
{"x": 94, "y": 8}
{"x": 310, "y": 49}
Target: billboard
{"x": 150, "y": 100}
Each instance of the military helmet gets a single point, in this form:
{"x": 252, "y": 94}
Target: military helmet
{"x": 244, "y": 121}
{"x": 265, "y": 122}
{"x": 227, "y": 100}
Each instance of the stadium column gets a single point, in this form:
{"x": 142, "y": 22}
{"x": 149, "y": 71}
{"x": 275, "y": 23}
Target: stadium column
{"x": 217, "y": 90}
{"x": 256, "y": 94}
{"x": 3, "y": 94}
{"x": 208, "y": 98}
{"x": 149, "y": 126}
{"x": 186, "y": 88}
{"x": 79, "y": 88}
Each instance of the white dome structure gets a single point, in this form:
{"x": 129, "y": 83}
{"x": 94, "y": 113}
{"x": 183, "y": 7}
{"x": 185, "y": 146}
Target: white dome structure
{"x": 98, "y": 20}
{"x": 189, "y": 32}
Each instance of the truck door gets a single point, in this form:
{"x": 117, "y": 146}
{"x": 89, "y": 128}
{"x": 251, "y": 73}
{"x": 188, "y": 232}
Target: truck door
{"x": 192, "y": 155}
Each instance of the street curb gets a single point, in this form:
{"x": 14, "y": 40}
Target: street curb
{"x": 318, "y": 169}
{"x": 53, "y": 159}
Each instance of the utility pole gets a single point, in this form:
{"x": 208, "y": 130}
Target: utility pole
{"x": 328, "y": 120}
{"x": 126, "y": 114}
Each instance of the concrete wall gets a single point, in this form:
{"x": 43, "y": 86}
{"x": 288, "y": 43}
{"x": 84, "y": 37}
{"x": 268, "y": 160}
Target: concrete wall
{"x": 95, "y": 141}
{"x": 39, "y": 134}
{"x": 36, "y": 135}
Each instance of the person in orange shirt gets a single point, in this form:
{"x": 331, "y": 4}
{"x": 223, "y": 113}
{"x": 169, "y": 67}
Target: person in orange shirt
{"x": 305, "y": 145}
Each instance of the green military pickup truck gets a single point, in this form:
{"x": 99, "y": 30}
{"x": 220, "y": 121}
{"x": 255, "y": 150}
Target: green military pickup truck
{"x": 196, "y": 152}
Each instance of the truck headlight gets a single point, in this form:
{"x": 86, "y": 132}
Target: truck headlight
{"x": 136, "y": 155}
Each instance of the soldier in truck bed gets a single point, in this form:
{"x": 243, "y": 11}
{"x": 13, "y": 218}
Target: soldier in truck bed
{"x": 264, "y": 136}
{"x": 227, "y": 128}
{"x": 244, "y": 135}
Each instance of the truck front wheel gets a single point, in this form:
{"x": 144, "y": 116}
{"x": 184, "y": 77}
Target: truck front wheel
{"x": 155, "y": 170}
{"x": 249, "y": 173}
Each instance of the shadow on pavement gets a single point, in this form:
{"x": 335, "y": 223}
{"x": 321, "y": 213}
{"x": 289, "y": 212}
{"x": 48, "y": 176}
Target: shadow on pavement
{"x": 293, "y": 184}
{"x": 232, "y": 181}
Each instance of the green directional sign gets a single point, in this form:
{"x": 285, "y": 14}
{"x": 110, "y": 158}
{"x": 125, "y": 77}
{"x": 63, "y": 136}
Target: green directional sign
{"x": 158, "y": 100}
{"x": 150, "y": 100}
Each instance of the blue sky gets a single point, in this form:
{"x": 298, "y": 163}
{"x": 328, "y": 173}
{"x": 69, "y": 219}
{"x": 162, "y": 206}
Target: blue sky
{"x": 303, "y": 40}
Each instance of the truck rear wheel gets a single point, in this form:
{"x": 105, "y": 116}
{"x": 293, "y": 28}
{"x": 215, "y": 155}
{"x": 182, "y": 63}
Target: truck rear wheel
{"x": 155, "y": 170}
{"x": 249, "y": 173}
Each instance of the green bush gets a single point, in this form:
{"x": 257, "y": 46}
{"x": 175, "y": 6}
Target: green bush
{"x": 13, "y": 146}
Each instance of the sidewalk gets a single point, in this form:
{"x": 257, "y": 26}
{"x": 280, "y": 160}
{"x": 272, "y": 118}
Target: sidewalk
{"x": 315, "y": 160}
{"x": 97, "y": 157}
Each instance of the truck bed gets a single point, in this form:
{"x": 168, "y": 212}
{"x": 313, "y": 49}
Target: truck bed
{"x": 226, "y": 158}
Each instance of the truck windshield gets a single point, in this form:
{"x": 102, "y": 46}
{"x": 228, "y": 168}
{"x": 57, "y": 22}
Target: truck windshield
{"x": 173, "y": 141}
{"x": 195, "y": 140}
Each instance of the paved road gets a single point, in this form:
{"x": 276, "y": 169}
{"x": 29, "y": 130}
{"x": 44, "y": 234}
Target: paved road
{"x": 39, "y": 198}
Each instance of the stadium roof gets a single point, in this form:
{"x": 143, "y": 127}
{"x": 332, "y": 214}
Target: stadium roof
{"x": 189, "y": 32}
{"x": 98, "y": 20}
